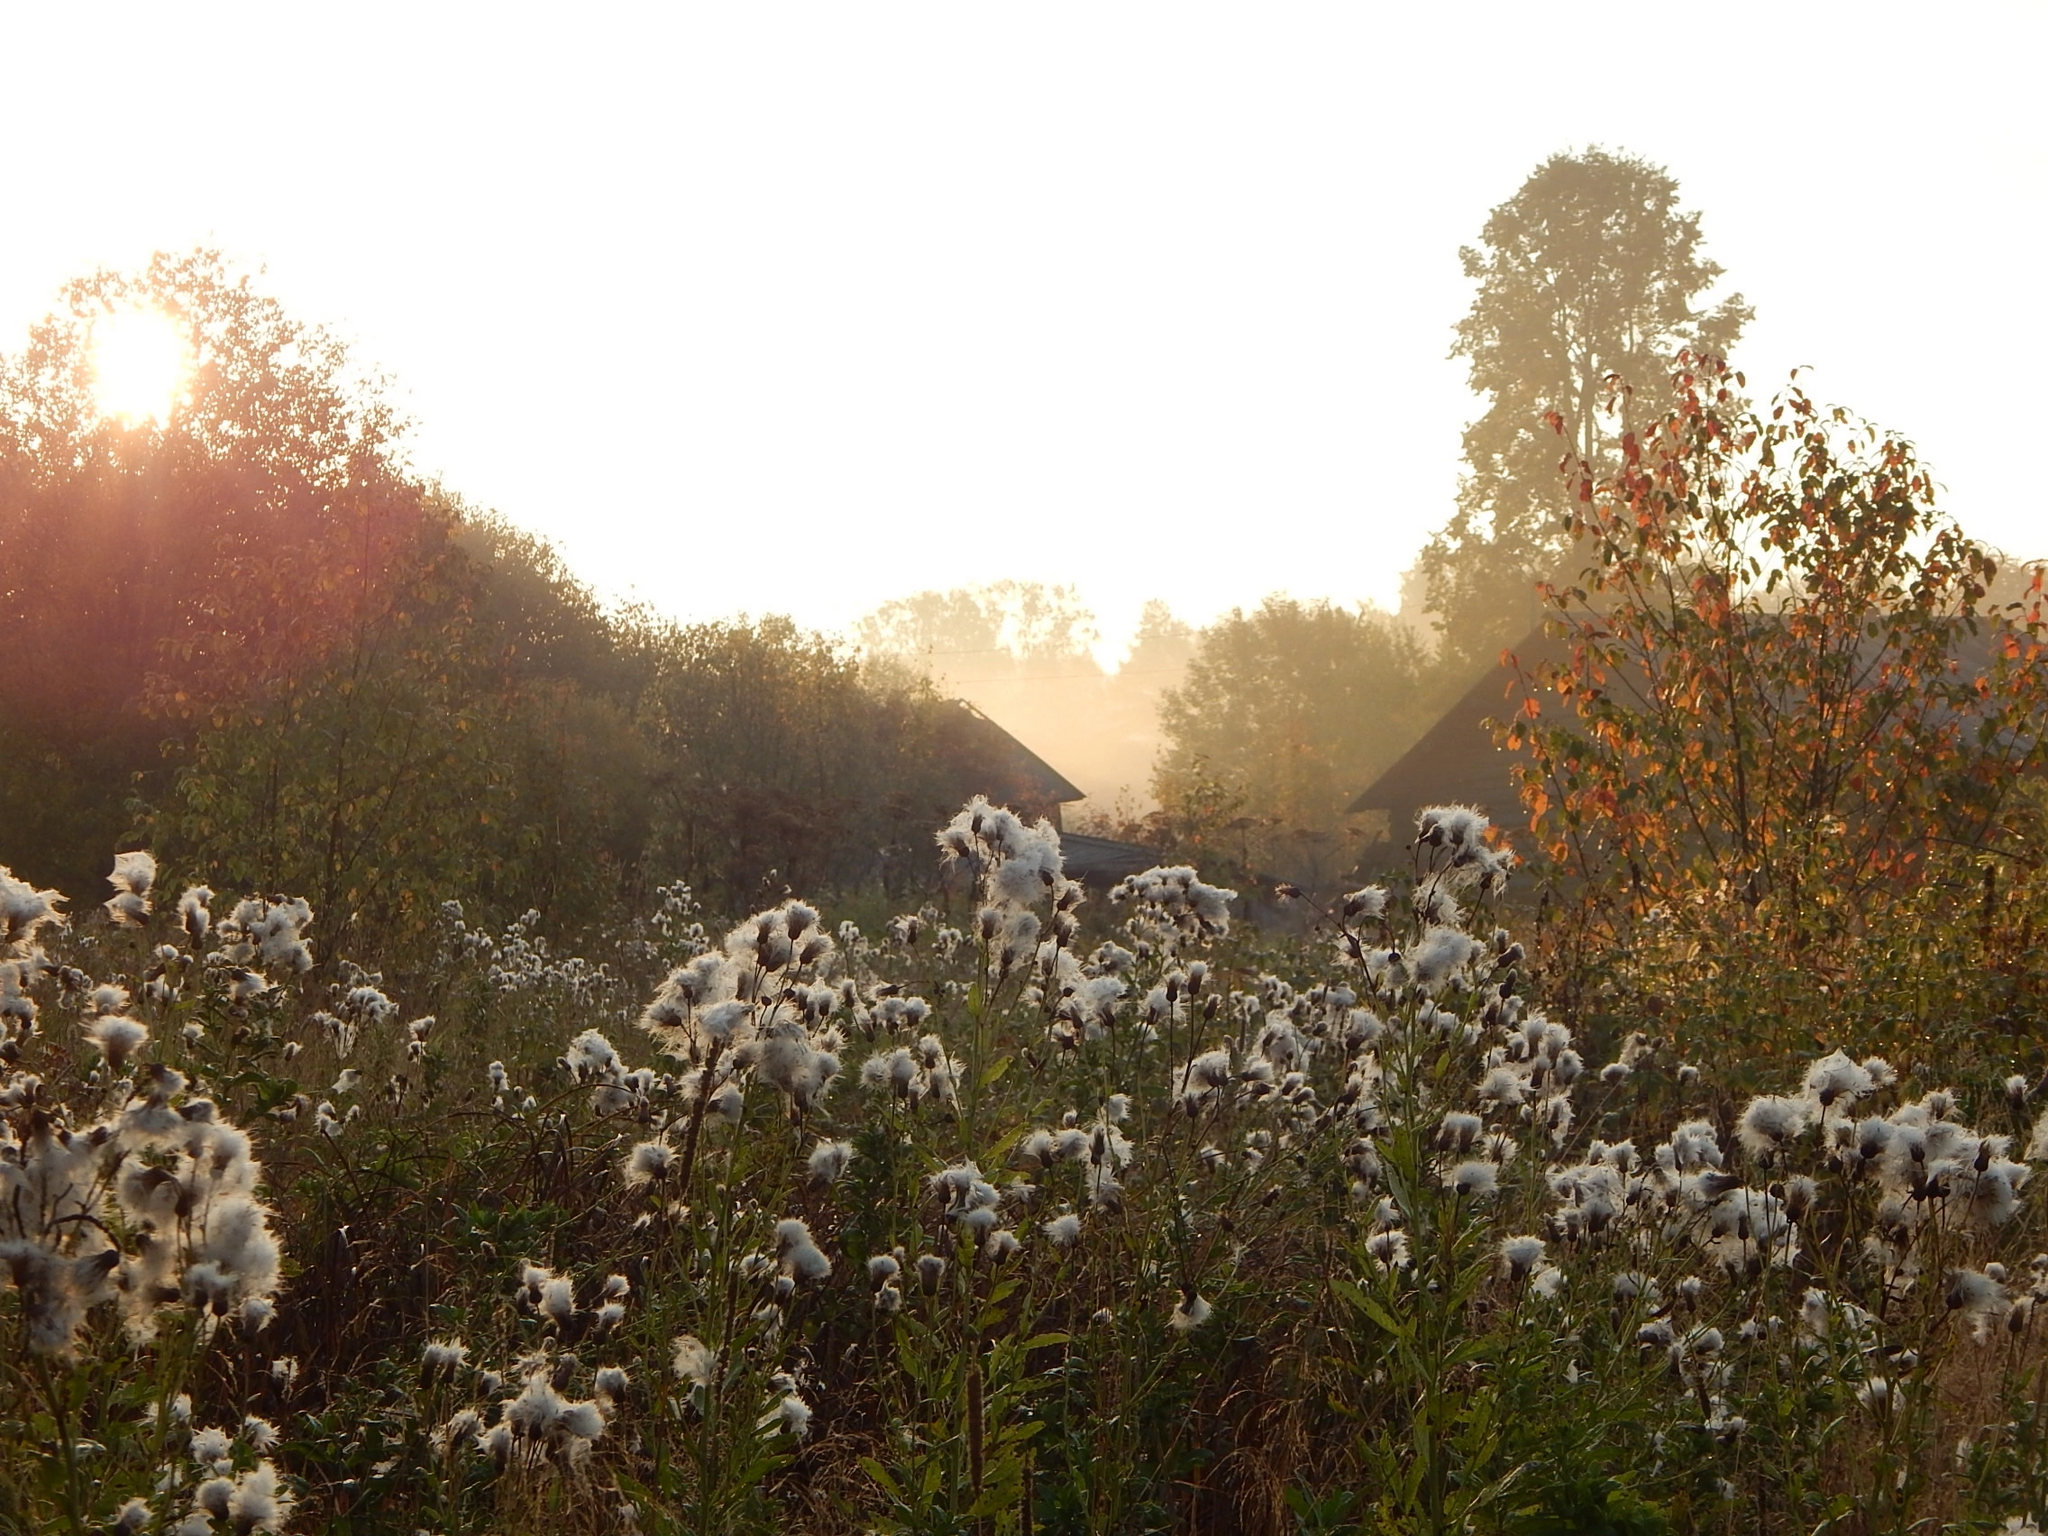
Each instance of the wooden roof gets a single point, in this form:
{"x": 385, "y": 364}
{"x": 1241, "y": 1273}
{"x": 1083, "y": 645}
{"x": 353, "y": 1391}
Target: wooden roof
{"x": 1102, "y": 860}
{"x": 1006, "y": 770}
{"x": 1456, "y": 761}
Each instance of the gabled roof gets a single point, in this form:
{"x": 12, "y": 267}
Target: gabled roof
{"x": 1456, "y": 761}
{"x": 1016, "y": 775}
{"x": 1102, "y": 860}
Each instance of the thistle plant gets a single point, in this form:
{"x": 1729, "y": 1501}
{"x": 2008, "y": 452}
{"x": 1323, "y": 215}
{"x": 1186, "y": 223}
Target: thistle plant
{"x": 1056, "y": 1210}
{"x": 131, "y": 1193}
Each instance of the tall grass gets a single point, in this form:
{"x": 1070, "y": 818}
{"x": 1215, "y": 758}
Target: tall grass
{"x": 1049, "y": 1211}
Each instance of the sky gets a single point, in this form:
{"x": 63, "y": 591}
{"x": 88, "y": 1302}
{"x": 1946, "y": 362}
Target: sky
{"x": 796, "y": 308}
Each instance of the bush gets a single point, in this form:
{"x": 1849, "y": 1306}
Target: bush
{"x": 1783, "y": 754}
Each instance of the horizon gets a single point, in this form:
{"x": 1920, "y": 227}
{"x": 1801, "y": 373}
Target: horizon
{"x": 1067, "y": 346}
{"x": 811, "y": 768}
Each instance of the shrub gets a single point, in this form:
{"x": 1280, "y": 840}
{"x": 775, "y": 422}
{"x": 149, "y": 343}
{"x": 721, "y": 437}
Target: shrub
{"x": 1786, "y": 741}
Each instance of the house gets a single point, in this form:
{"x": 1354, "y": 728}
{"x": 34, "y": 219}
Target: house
{"x": 1103, "y": 860}
{"x": 988, "y": 760}
{"x": 1457, "y": 761}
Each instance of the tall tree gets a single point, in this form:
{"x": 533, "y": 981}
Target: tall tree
{"x": 1591, "y": 281}
{"x": 235, "y": 542}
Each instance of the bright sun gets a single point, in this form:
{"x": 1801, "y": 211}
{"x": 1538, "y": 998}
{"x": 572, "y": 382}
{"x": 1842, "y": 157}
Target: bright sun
{"x": 139, "y": 359}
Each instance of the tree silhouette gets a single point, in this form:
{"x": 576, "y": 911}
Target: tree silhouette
{"x": 968, "y": 632}
{"x": 1285, "y": 712}
{"x": 1591, "y": 282}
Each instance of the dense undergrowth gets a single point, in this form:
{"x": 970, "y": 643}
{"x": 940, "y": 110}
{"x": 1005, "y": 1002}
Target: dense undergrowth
{"x": 1046, "y": 1210}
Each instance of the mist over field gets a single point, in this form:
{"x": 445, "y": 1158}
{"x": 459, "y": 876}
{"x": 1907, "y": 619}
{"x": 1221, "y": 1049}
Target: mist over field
{"x": 977, "y": 774}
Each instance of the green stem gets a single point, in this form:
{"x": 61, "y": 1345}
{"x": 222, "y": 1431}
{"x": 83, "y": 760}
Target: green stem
{"x": 60, "y": 1417}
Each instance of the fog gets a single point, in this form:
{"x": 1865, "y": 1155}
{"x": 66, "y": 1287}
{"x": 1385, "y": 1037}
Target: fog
{"x": 1116, "y": 299}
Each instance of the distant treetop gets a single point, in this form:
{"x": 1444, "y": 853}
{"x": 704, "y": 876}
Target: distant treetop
{"x": 1591, "y": 281}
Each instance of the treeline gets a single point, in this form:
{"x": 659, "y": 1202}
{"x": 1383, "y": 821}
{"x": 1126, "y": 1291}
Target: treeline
{"x": 1238, "y": 745}
{"x": 252, "y": 637}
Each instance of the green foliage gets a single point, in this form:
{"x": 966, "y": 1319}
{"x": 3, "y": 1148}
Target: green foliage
{"x": 1280, "y": 1306}
{"x": 774, "y": 760}
{"x": 1594, "y": 1506}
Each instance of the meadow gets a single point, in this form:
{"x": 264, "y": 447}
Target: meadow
{"x": 1038, "y": 1209}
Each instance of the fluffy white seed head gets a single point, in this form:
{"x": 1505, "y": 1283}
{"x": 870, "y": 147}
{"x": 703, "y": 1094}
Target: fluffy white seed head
{"x": 692, "y": 1360}
{"x": 828, "y": 1161}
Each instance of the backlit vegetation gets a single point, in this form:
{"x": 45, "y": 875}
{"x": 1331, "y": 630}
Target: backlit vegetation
{"x": 542, "y": 1068}
{"x": 1035, "y": 1210}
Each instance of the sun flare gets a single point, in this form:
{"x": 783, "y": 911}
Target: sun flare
{"x": 140, "y": 358}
